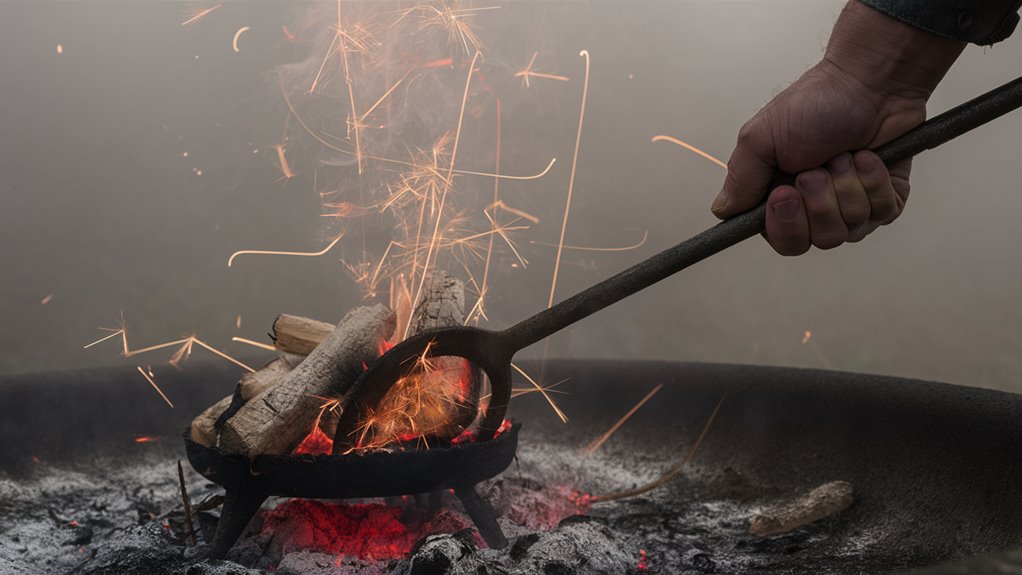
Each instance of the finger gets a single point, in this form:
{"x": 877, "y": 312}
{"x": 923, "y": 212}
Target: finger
{"x": 749, "y": 171}
{"x": 787, "y": 227}
{"x": 884, "y": 203}
{"x": 851, "y": 196}
{"x": 827, "y": 229}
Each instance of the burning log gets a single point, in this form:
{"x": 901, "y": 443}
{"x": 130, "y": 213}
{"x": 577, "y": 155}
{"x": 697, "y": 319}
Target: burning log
{"x": 442, "y": 395}
{"x": 820, "y": 503}
{"x": 299, "y": 335}
{"x": 278, "y": 419}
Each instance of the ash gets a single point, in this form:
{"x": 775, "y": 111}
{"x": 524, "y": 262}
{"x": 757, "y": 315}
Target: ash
{"x": 125, "y": 518}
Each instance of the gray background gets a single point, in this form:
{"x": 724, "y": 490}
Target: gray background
{"x": 98, "y": 206}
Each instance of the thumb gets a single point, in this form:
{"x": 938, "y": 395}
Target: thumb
{"x": 749, "y": 172}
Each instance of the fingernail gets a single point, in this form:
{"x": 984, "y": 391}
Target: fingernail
{"x": 865, "y": 162}
{"x": 813, "y": 182}
{"x": 720, "y": 202}
{"x": 787, "y": 210}
{"x": 840, "y": 164}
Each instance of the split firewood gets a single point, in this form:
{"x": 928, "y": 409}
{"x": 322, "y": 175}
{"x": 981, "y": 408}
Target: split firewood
{"x": 252, "y": 384}
{"x": 824, "y": 501}
{"x": 451, "y": 393}
{"x": 299, "y": 335}
{"x": 204, "y": 426}
{"x": 279, "y": 418}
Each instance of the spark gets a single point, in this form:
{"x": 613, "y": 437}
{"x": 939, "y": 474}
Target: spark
{"x": 237, "y": 322}
{"x": 234, "y": 42}
{"x": 453, "y": 20}
{"x": 672, "y": 472}
{"x": 535, "y": 176}
{"x": 46, "y": 299}
{"x": 520, "y": 391}
{"x": 254, "y": 343}
{"x": 194, "y": 15}
{"x": 571, "y": 179}
{"x": 319, "y": 138}
{"x": 447, "y": 180}
{"x": 102, "y": 339}
{"x": 351, "y": 92}
{"x": 599, "y": 441}
{"x": 543, "y": 392}
{"x": 689, "y": 147}
{"x": 637, "y": 245}
{"x": 806, "y": 337}
{"x": 150, "y": 378}
{"x": 146, "y": 438}
{"x": 321, "y": 252}
{"x": 283, "y": 165}
{"x": 529, "y": 72}
{"x": 60, "y": 49}
{"x": 185, "y": 350}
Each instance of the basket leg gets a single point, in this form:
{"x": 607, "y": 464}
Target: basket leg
{"x": 239, "y": 508}
{"x": 483, "y": 516}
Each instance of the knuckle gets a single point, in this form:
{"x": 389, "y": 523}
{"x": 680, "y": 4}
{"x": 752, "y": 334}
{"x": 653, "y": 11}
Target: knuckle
{"x": 747, "y": 133}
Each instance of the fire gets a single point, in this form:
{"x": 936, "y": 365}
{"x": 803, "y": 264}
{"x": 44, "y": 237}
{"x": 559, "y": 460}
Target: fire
{"x": 392, "y": 105}
{"x": 422, "y": 405}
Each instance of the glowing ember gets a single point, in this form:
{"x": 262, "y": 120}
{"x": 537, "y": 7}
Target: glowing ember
{"x": 146, "y": 439}
{"x": 316, "y": 443}
{"x": 367, "y": 531}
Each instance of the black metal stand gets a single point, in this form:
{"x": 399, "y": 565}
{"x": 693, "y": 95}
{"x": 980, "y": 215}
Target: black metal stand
{"x": 238, "y": 510}
{"x": 482, "y": 515}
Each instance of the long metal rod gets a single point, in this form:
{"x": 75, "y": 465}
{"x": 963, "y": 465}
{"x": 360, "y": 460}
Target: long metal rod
{"x": 928, "y": 135}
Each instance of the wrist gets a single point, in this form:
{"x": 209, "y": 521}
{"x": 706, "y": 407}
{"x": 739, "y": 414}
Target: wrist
{"x": 889, "y": 57}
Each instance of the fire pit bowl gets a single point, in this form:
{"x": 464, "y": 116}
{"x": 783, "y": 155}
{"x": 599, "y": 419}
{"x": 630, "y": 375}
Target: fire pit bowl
{"x": 935, "y": 467}
{"x": 456, "y": 467}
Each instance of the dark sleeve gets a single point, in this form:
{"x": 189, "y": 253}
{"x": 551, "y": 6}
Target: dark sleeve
{"x": 980, "y": 22}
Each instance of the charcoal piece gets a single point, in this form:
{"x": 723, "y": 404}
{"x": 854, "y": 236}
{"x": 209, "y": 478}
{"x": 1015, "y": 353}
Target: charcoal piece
{"x": 703, "y": 563}
{"x": 439, "y": 554}
{"x": 139, "y": 550}
{"x": 577, "y": 549}
{"x": 521, "y": 546}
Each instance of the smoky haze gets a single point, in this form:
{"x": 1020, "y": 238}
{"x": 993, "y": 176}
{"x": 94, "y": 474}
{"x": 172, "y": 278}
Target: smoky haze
{"x": 102, "y": 203}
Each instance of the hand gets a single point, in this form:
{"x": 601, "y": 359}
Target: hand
{"x": 871, "y": 87}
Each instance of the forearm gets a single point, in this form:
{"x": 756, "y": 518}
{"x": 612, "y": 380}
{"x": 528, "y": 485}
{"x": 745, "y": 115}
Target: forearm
{"x": 887, "y": 55}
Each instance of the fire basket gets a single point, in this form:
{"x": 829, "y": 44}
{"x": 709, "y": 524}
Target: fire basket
{"x": 457, "y": 467}
{"x": 934, "y": 468}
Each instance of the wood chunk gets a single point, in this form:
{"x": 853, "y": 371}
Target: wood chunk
{"x": 279, "y": 418}
{"x": 443, "y": 305}
{"x": 820, "y": 503}
{"x": 204, "y": 426}
{"x": 253, "y": 383}
{"x": 299, "y": 335}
